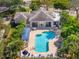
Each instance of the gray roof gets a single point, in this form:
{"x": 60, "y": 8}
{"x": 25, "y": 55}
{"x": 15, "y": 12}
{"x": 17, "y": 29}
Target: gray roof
{"x": 39, "y": 15}
{"x": 74, "y": 3}
{"x": 20, "y": 16}
{"x": 43, "y": 15}
{"x": 2, "y": 9}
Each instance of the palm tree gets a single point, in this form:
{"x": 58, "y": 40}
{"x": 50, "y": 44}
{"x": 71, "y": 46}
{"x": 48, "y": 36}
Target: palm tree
{"x": 70, "y": 47}
{"x": 77, "y": 15}
{"x": 1, "y": 23}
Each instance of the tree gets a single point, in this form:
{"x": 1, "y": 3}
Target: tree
{"x": 70, "y": 47}
{"x": 1, "y": 49}
{"x": 68, "y": 24}
{"x": 12, "y": 6}
{"x": 61, "y": 4}
{"x": 14, "y": 47}
{"x": 9, "y": 3}
{"x": 14, "y": 44}
{"x": 48, "y": 3}
{"x": 70, "y": 35}
{"x": 1, "y": 21}
{"x": 35, "y": 4}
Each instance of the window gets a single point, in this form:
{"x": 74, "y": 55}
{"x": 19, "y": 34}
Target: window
{"x": 48, "y": 24}
{"x": 56, "y": 23}
{"x": 34, "y": 24}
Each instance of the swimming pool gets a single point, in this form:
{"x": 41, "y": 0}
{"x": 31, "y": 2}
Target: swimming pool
{"x": 41, "y": 41}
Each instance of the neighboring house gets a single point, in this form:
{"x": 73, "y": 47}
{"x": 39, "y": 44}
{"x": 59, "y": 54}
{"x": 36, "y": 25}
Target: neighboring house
{"x": 41, "y": 19}
{"x": 72, "y": 12}
{"x": 27, "y": 2}
{"x": 74, "y": 3}
{"x": 3, "y": 9}
{"x": 20, "y": 16}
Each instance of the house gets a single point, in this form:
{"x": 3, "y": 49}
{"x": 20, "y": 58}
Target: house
{"x": 3, "y": 9}
{"x": 40, "y": 19}
{"x": 74, "y": 3}
{"x": 44, "y": 20}
{"x": 27, "y": 2}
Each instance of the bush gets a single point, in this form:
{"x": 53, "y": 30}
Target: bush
{"x": 59, "y": 5}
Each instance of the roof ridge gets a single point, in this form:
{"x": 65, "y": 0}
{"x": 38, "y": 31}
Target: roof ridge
{"x": 35, "y": 15}
{"x": 24, "y": 15}
{"x": 48, "y": 15}
{"x": 41, "y": 10}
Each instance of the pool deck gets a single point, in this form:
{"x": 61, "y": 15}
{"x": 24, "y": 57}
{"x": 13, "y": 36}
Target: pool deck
{"x": 31, "y": 44}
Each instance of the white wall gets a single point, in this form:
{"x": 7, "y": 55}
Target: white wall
{"x": 41, "y": 22}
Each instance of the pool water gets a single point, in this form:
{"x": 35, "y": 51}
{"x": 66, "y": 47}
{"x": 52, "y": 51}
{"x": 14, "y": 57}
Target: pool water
{"x": 41, "y": 41}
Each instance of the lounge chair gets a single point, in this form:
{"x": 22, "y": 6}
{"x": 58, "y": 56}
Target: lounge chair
{"x": 48, "y": 55}
{"x": 45, "y": 56}
{"x": 36, "y": 55}
{"x": 28, "y": 54}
